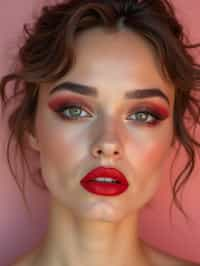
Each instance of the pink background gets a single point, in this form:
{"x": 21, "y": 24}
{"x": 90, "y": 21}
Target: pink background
{"x": 19, "y": 232}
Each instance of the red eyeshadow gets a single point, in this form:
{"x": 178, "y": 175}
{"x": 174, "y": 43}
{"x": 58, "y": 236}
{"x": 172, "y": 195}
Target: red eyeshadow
{"x": 59, "y": 101}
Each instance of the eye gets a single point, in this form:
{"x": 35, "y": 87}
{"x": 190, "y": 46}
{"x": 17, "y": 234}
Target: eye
{"x": 146, "y": 117}
{"x": 73, "y": 112}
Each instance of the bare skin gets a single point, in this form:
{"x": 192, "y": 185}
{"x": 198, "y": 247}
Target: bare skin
{"x": 86, "y": 229}
{"x": 154, "y": 258}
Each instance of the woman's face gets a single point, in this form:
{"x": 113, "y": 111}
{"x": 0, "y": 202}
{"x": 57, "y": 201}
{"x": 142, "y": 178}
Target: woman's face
{"x": 127, "y": 114}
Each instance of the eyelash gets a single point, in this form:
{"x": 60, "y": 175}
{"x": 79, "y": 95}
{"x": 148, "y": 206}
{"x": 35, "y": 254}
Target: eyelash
{"x": 155, "y": 117}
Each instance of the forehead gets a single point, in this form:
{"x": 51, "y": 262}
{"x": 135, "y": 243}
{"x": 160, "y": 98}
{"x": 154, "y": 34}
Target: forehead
{"x": 124, "y": 49}
{"x": 120, "y": 60}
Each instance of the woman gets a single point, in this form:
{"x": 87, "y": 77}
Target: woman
{"x": 104, "y": 87}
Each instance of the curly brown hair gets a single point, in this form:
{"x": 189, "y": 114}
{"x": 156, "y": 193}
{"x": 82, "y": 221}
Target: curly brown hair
{"x": 47, "y": 54}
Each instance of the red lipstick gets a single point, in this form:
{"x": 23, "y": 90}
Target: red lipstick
{"x": 105, "y": 181}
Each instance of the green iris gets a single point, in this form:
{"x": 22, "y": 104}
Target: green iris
{"x": 74, "y": 111}
{"x": 142, "y": 116}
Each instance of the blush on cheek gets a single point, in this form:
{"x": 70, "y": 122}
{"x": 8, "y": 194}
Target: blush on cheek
{"x": 61, "y": 151}
{"x": 156, "y": 155}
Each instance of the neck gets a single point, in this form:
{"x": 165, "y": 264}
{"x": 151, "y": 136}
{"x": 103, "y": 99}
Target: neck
{"x": 71, "y": 241}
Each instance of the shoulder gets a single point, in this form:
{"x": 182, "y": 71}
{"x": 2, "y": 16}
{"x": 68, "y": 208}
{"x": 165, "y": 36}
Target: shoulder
{"x": 159, "y": 257}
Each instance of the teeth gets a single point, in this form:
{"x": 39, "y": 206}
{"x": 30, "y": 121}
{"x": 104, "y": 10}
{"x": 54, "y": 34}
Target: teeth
{"x": 105, "y": 180}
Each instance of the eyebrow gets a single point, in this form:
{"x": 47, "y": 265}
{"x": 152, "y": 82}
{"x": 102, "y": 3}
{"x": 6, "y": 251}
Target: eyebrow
{"x": 91, "y": 91}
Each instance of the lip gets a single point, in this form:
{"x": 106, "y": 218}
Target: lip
{"x": 105, "y": 189}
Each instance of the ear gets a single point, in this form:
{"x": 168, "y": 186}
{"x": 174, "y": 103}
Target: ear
{"x": 32, "y": 141}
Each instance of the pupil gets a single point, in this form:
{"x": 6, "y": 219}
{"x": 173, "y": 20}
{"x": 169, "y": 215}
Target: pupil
{"x": 75, "y": 111}
{"x": 141, "y": 116}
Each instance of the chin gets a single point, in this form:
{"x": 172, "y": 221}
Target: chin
{"x": 104, "y": 211}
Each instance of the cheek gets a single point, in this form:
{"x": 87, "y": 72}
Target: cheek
{"x": 57, "y": 136}
{"x": 146, "y": 152}
{"x": 155, "y": 152}
{"x": 62, "y": 153}
{"x": 147, "y": 149}
{"x": 61, "y": 145}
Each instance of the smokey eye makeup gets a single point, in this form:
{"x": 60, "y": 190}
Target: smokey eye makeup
{"x": 75, "y": 108}
{"x": 150, "y": 115}
{"x": 62, "y": 101}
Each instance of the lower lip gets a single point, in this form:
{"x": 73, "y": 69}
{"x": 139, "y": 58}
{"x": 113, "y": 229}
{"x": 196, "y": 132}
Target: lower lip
{"x": 105, "y": 189}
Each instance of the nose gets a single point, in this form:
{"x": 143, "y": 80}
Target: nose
{"x": 108, "y": 144}
{"x": 110, "y": 150}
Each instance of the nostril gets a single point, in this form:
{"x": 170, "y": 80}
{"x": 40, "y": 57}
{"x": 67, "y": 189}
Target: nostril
{"x": 100, "y": 152}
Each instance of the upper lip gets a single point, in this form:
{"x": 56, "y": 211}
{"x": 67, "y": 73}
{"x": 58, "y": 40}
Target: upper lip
{"x": 106, "y": 172}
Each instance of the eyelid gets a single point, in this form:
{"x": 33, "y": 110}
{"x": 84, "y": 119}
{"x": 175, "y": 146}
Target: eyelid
{"x": 157, "y": 110}
{"x": 59, "y": 102}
